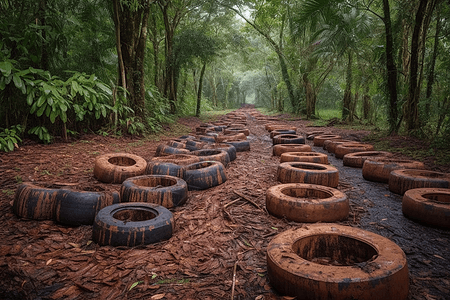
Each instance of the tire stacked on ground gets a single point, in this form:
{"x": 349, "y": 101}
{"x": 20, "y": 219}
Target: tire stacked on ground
{"x": 313, "y": 157}
{"x": 346, "y": 148}
{"x": 406, "y": 179}
{"x": 116, "y": 167}
{"x": 357, "y": 159}
{"x": 204, "y": 175}
{"x": 378, "y": 170}
{"x": 279, "y": 149}
{"x": 288, "y": 139}
{"x": 304, "y": 172}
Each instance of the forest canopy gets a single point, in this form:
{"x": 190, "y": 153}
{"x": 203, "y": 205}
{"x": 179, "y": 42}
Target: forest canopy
{"x": 127, "y": 66}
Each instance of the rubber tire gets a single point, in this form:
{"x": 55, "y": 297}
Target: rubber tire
{"x": 281, "y": 131}
{"x": 178, "y": 159}
{"x": 271, "y": 127}
{"x": 330, "y": 145}
{"x": 110, "y": 172}
{"x": 232, "y": 130}
{"x": 406, "y": 179}
{"x": 313, "y": 157}
{"x": 177, "y": 143}
{"x": 320, "y": 139}
{"x": 108, "y": 230}
{"x": 164, "y": 150}
{"x": 165, "y": 168}
{"x": 288, "y": 139}
{"x": 304, "y": 172}
{"x": 204, "y": 175}
{"x": 208, "y": 139}
{"x": 347, "y": 148}
{"x": 429, "y": 206}
{"x": 231, "y": 138}
{"x": 379, "y": 170}
{"x": 356, "y": 160}
{"x": 240, "y": 146}
{"x": 310, "y": 135}
{"x": 165, "y": 190}
{"x": 213, "y": 155}
{"x": 279, "y": 149}
{"x": 307, "y": 203}
{"x": 386, "y": 277}
{"x": 231, "y": 150}
{"x": 80, "y": 207}
{"x": 35, "y": 202}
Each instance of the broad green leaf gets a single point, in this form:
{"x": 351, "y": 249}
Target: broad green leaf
{"x": 50, "y": 101}
{"x": 53, "y": 116}
{"x": 33, "y": 108}
{"x": 41, "y": 110}
{"x": 30, "y": 97}
{"x": 2, "y": 83}
{"x": 104, "y": 88}
{"x": 10, "y": 145}
{"x": 6, "y": 67}
{"x": 63, "y": 106}
{"x": 41, "y": 101}
{"x": 18, "y": 81}
{"x": 63, "y": 116}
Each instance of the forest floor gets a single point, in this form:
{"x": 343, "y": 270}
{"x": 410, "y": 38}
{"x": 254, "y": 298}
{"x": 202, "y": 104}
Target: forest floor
{"x": 220, "y": 234}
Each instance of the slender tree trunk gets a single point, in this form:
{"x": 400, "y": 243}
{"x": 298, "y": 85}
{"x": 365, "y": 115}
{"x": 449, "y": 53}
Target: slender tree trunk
{"x": 310, "y": 97}
{"x": 412, "y": 112}
{"x": 431, "y": 76}
{"x": 391, "y": 69}
{"x": 346, "y": 107}
{"x": 44, "y": 53}
{"x": 199, "y": 92}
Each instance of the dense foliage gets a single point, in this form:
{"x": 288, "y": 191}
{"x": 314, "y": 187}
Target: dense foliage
{"x": 127, "y": 66}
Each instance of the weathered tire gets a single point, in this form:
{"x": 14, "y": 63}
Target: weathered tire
{"x": 288, "y": 139}
{"x": 208, "y": 139}
{"x": 116, "y": 167}
{"x": 231, "y": 137}
{"x": 76, "y": 208}
{"x": 231, "y": 150}
{"x": 164, "y": 150}
{"x": 232, "y": 130}
{"x": 193, "y": 145}
{"x": 178, "y": 159}
{"x": 168, "y": 191}
{"x": 177, "y": 143}
{"x": 165, "y": 168}
{"x": 307, "y": 203}
{"x": 240, "y": 146}
{"x": 430, "y": 206}
{"x": 347, "y": 148}
{"x": 330, "y": 145}
{"x": 271, "y": 127}
{"x": 35, "y": 202}
{"x": 379, "y": 271}
{"x": 213, "y": 155}
{"x": 304, "y": 172}
{"x": 313, "y": 157}
{"x": 281, "y": 131}
{"x": 320, "y": 139}
{"x": 132, "y": 224}
{"x": 282, "y": 148}
{"x": 406, "y": 179}
{"x": 311, "y": 134}
{"x": 205, "y": 175}
{"x": 379, "y": 169}
{"x": 357, "y": 159}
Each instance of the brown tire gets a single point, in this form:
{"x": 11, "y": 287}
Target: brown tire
{"x": 307, "y": 203}
{"x": 281, "y": 131}
{"x": 311, "y": 134}
{"x": 271, "y": 127}
{"x": 288, "y": 139}
{"x": 357, "y": 159}
{"x": 406, "y": 179}
{"x": 304, "y": 172}
{"x": 430, "y": 206}
{"x": 346, "y": 148}
{"x": 179, "y": 159}
{"x": 330, "y": 145}
{"x": 313, "y": 157}
{"x": 164, "y": 150}
{"x": 282, "y": 148}
{"x": 379, "y": 169}
{"x": 177, "y": 143}
{"x": 230, "y": 137}
{"x": 234, "y": 130}
{"x": 116, "y": 167}
{"x": 204, "y": 175}
{"x": 320, "y": 139}
{"x": 213, "y": 155}
{"x": 367, "y": 266}
{"x": 168, "y": 191}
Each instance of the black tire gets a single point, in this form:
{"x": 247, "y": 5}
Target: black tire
{"x": 165, "y": 168}
{"x": 168, "y": 191}
{"x": 163, "y": 150}
{"x": 80, "y": 207}
{"x": 193, "y": 145}
{"x": 35, "y": 202}
{"x": 209, "y": 139}
{"x": 205, "y": 175}
{"x": 150, "y": 223}
{"x": 231, "y": 150}
{"x": 213, "y": 155}
{"x": 240, "y": 146}
{"x": 177, "y": 143}
{"x": 281, "y": 131}
{"x": 288, "y": 139}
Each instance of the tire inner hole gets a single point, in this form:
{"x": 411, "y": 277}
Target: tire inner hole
{"x": 438, "y": 197}
{"x": 122, "y": 161}
{"x": 308, "y": 167}
{"x": 134, "y": 215}
{"x": 306, "y": 193}
{"x": 155, "y": 182}
{"x": 334, "y": 250}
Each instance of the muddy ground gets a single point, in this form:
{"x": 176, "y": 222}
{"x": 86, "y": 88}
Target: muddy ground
{"x": 220, "y": 233}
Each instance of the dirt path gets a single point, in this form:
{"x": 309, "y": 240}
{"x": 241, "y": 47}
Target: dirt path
{"x": 221, "y": 233}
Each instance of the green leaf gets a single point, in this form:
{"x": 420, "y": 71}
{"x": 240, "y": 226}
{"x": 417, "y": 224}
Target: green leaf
{"x": 18, "y": 82}
{"x": 41, "y": 110}
{"x": 135, "y": 284}
{"x": 50, "y": 101}
{"x": 10, "y": 145}
{"x": 6, "y": 67}
{"x": 104, "y": 88}
{"x": 53, "y": 116}
{"x": 63, "y": 116}
{"x": 30, "y": 97}
{"x": 41, "y": 101}
{"x": 2, "y": 83}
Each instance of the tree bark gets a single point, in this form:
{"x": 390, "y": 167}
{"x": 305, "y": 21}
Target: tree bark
{"x": 200, "y": 88}
{"x": 346, "y": 107}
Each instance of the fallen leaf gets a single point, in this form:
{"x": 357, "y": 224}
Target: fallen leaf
{"x": 158, "y": 296}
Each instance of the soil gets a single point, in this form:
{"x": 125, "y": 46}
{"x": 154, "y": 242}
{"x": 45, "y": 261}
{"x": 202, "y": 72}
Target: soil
{"x": 218, "y": 249}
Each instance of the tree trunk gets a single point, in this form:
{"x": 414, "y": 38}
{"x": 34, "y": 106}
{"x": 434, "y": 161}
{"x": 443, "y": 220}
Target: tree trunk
{"x": 310, "y": 97}
{"x": 431, "y": 76}
{"x": 412, "y": 112}
{"x": 199, "y": 92}
{"x": 391, "y": 69}
{"x": 347, "y": 101}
